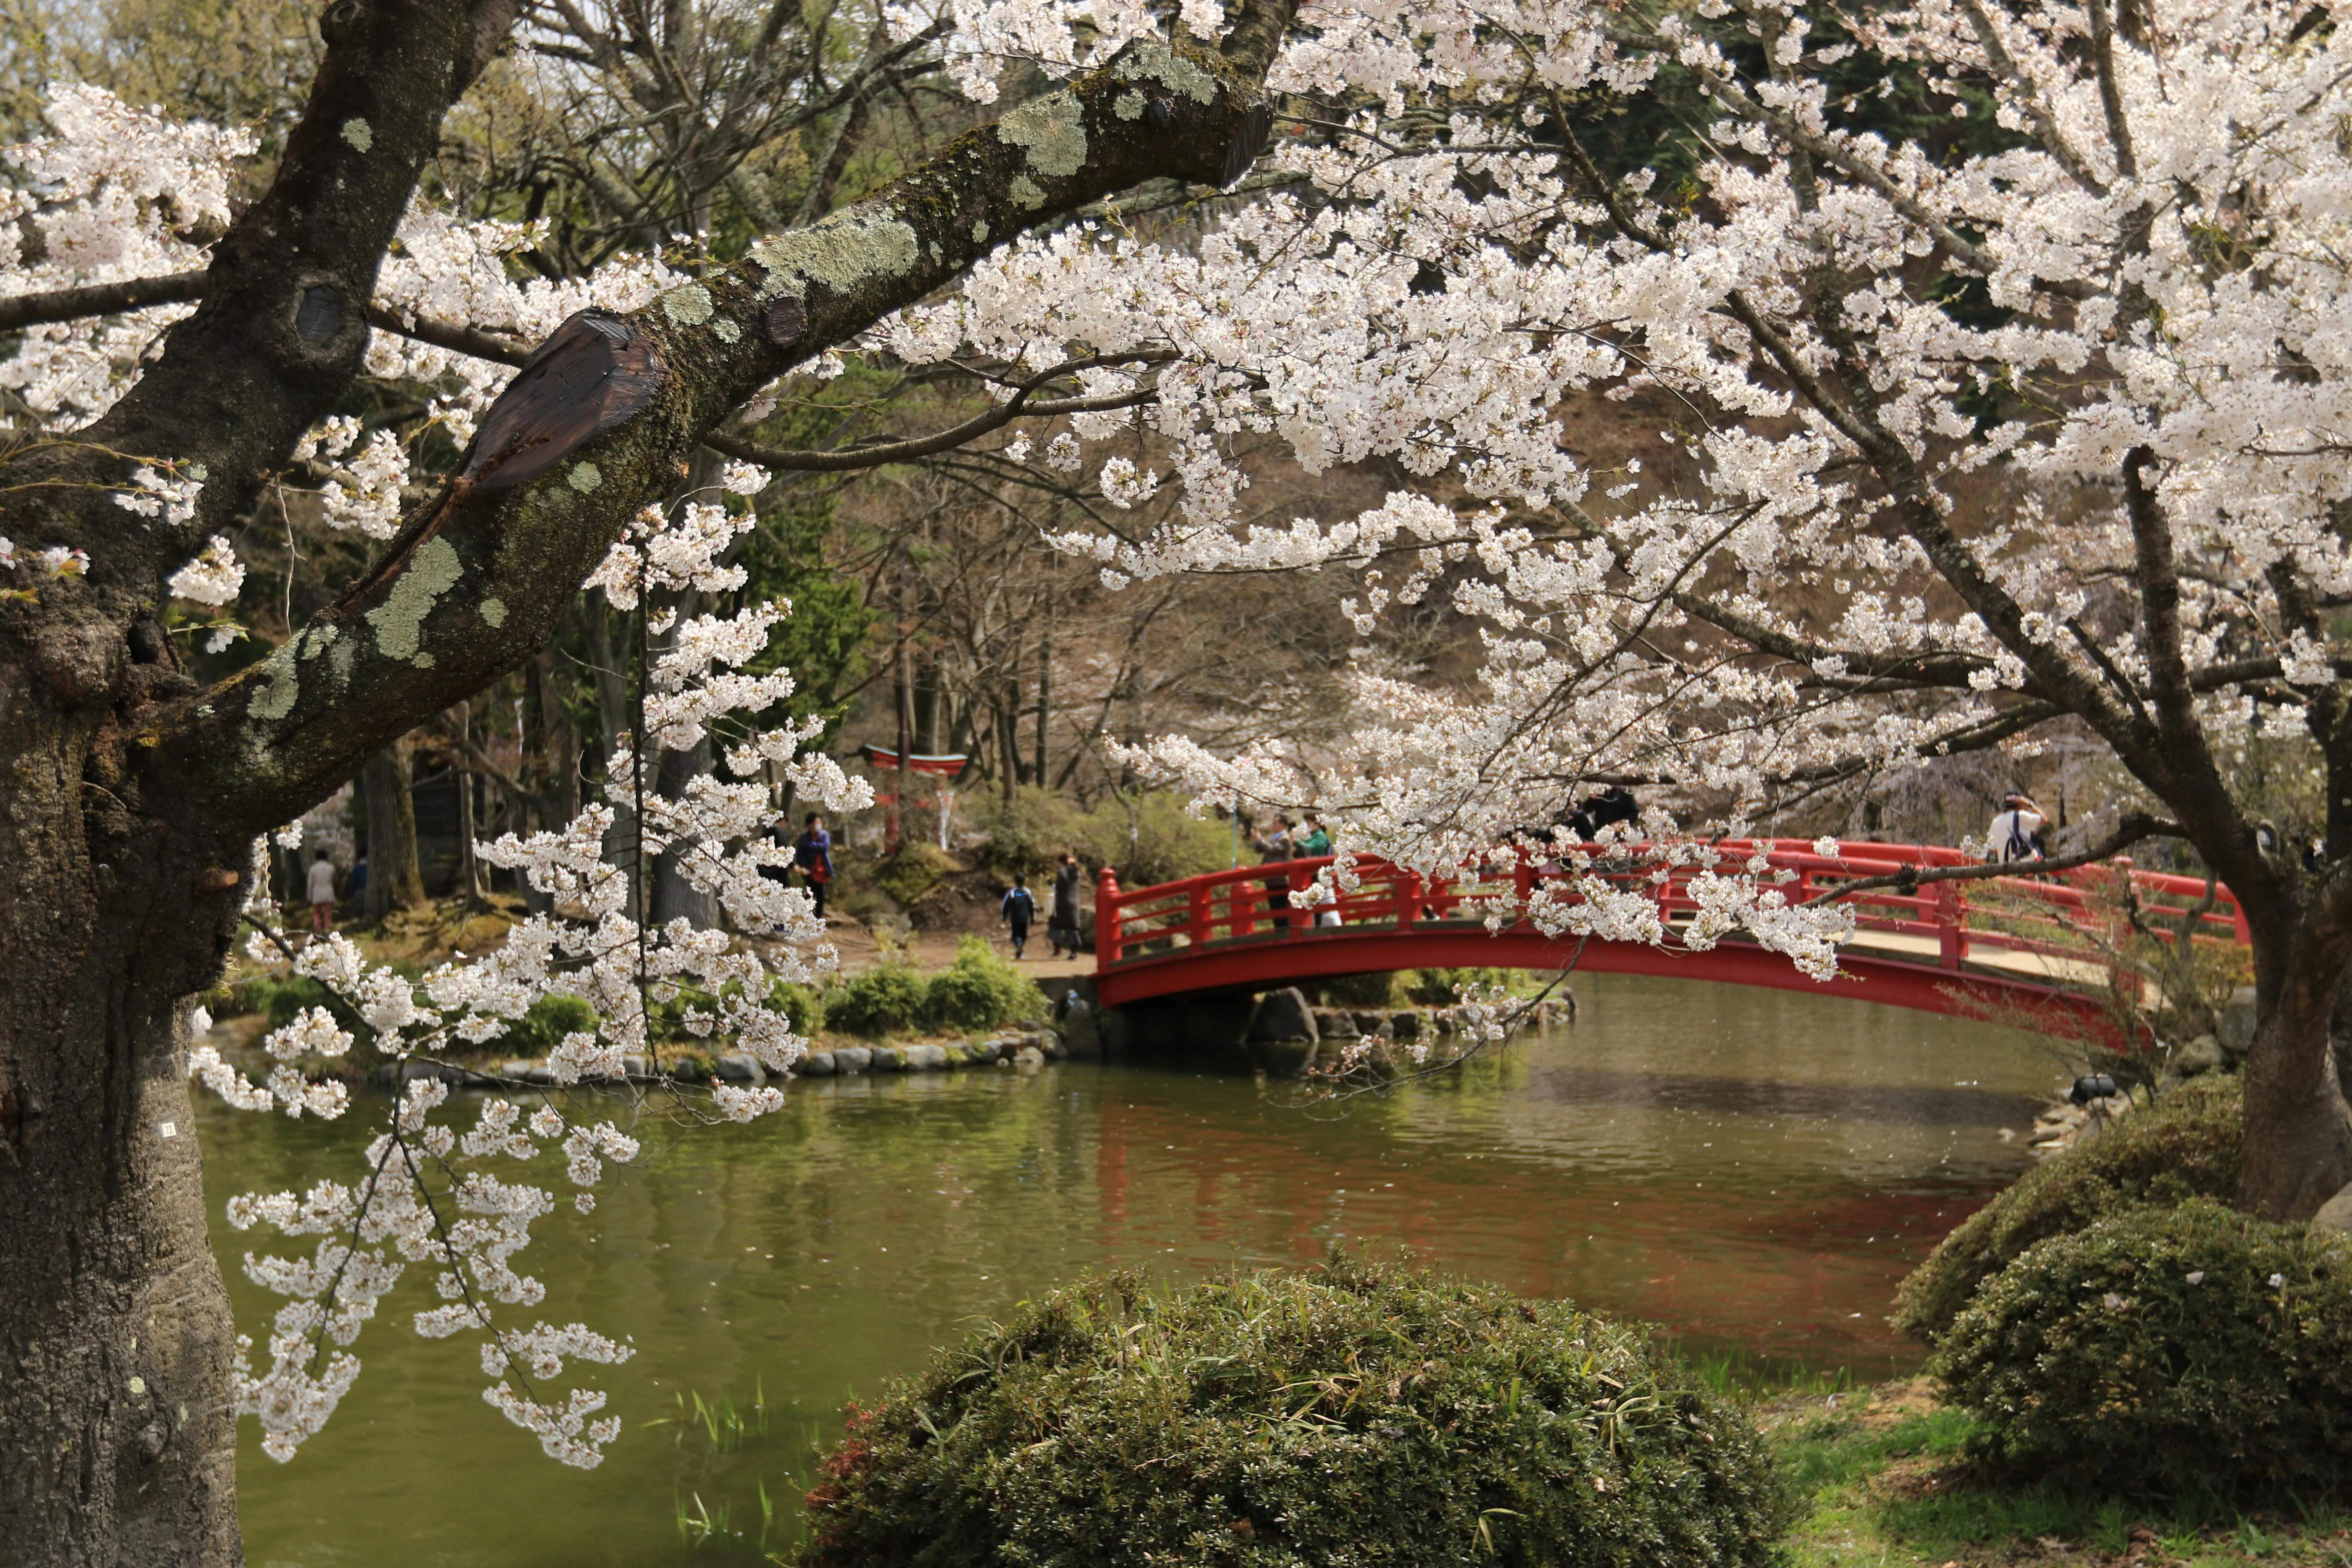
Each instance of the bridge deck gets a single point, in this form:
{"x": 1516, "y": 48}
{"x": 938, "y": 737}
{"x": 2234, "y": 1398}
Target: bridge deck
{"x": 2028, "y": 944}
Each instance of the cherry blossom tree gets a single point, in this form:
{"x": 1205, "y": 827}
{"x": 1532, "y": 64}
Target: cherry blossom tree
{"x": 1973, "y": 442}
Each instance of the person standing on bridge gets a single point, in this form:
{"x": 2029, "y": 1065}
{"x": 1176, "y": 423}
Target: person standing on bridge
{"x": 2013, "y": 833}
{"x": 1019, "y": 909}
{"x": 1061, "y": 930}
{"x": 1273, "y": 849}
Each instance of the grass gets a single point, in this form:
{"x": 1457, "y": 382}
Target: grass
{"x": 1886, "y": 1482}
{"x": 721, "y": 1445}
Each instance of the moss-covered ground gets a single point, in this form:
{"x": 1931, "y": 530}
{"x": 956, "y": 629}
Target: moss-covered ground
{"x": 1885, "y": 1480}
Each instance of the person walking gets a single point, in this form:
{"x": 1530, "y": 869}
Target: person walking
{"x": 812, "y": 857}
{"x": 1020, "y": 906}
{"x": 1061, "y": 930}
{"x": 2011, "y": 836}
{"x": 322, "y": 894}
{"x": 1272, "y": 850}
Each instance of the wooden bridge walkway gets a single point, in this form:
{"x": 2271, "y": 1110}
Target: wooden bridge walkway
{"x": 2023, "y": 946}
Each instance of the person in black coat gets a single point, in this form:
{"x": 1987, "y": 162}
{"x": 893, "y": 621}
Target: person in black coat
{"x": 1062, "y": 928}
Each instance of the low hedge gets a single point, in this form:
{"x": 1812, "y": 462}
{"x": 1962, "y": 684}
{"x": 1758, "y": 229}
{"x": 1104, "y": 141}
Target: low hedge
{"x": 980, "y": 991}
{"x": 880, "y": 1001}
{"x": 2184, "y": 1145}
{"x": 2165, "y": 1350}
{"x": 1357, "y": 1413}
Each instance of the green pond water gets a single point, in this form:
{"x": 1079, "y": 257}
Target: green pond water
{"x": 1751, "y": 1170}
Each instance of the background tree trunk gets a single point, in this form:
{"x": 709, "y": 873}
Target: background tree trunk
{"x": 394, "y": 879}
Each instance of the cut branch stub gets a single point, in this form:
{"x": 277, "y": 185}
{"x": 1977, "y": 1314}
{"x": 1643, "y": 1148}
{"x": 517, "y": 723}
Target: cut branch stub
{"x": 1248, "y": 141}
{"x": 787, "y": 320}
{"x": 593, "y": 373}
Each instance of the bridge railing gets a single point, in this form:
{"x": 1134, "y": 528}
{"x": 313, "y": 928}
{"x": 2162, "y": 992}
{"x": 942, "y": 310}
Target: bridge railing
{"x": 2073, "y": 915}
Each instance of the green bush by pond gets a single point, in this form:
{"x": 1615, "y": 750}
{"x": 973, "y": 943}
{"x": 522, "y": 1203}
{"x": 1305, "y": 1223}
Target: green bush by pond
{"x": 883, "y": 1000}
{"x": 980, "y": 991}
{"x": 542, "y": 1028}
{"x": 2163, "y": 1350}
{"x": 2184, "y": 1145}
{"x": 1360, "y": 1414}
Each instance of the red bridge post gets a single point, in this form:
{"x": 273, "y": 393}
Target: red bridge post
{"x": 1951, "y": 942}
{"x": 1107, "y": 943}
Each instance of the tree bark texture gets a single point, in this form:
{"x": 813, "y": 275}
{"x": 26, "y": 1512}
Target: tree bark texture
{"x": 130, "y": 797}
{"x": 116, "y": 1441}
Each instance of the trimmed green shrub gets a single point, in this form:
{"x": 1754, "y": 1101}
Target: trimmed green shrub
{"x": 980, "y": 991}
{"x": 1357, "y": 1413}
{"x": 885, "y": 998}
{"x": 2154, "y": 1352}
{"x": 803, "y": 1004}
{"x": 2184, "y": 1145}
{"x": 542, "y": 1028}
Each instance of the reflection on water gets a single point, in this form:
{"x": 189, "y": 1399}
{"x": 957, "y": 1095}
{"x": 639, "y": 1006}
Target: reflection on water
{"x": 1753, "y": 1170}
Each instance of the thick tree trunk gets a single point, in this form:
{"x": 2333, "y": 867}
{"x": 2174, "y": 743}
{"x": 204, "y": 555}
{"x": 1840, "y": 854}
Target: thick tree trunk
{"x": 396, "y": 882}
{"x": 117, "y": 1445}
{"x": 2298, "y": 1150}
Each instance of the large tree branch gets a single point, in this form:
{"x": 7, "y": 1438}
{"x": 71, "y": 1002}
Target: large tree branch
{"x": 579, "y": 444}
{"x": 282, "y": 323}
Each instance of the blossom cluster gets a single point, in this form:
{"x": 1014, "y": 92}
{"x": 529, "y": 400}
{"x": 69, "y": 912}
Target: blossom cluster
{"x": 437, "y": 1197}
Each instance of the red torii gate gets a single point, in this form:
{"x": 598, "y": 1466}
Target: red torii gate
{"x": 2030, "y": 947}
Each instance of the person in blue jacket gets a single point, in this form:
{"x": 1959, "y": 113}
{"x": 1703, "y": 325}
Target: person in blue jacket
{"x": 1019, "y": 909}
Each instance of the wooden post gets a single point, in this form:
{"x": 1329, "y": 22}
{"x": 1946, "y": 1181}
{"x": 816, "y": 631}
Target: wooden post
{"x": 1951, "y": 942}
{"x": 1107, "y": 942}
{"x": 1408, "y": 898}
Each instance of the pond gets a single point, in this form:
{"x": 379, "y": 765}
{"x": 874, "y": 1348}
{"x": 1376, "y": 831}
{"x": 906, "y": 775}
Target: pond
{"x": 1751, "y": 1170}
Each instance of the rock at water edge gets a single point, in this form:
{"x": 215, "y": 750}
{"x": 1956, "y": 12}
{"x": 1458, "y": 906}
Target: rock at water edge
{"x": 1282, "y": 1014}
{"x": 1078, "y": 1032}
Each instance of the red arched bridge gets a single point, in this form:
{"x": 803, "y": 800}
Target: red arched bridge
{"x": 2031, "y": 946}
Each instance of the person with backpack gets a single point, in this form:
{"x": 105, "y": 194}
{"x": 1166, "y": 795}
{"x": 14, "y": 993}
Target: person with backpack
{"x": 813, "y": 856}
{"x": 1019, "y": 909}
{"x": 2013, "y": 836}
